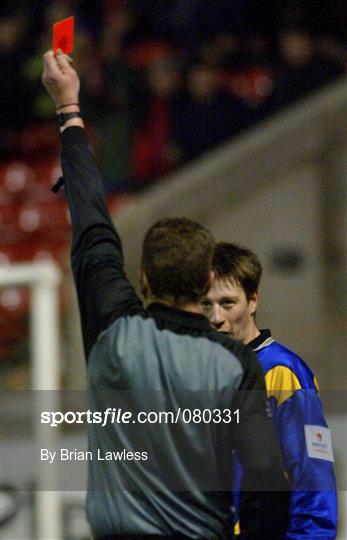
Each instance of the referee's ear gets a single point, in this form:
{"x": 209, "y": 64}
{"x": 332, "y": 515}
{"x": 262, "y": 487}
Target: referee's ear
{"x": 210, "y": 281}
{"x": 144, "y": 284}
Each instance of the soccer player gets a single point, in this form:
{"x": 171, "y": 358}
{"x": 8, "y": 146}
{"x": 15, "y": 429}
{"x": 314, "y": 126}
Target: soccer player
{"x": 174, "y": 480}
{"x": 292, "y": 389}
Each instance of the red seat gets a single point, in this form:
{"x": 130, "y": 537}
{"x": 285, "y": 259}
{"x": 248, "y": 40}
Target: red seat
{"x": 38, "y": 193}
{"x": 145, "y": 53}
{"x": 16, "y": 177}
{"x": 45, "y": 221}
{"x": 47, "y": 171}
{"x": 32, "y": 223}
{"x": 6, "y": 198}
{"x": 10, "y": 232}
{"x": 21, "y": 182}
{"x": 252, "y": 85}
{"x": 13, "y": 254}
{"x": 14, "y": 301}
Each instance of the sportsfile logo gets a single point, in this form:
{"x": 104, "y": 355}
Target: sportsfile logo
{"x": 318, "y": 442}
{"x": 120, "y": 416}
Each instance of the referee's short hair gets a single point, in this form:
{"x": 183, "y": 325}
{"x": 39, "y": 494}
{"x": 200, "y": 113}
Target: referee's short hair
{"x": 239, "y": 265}
{"x": 177, "y": 258}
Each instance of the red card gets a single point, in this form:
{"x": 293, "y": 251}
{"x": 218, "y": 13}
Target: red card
{"x": 63, "y": 35}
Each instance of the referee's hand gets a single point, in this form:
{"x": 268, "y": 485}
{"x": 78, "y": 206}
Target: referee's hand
{"x": 60, "y": 79}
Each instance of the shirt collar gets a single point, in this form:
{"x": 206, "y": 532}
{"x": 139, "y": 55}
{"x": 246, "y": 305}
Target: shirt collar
{"x": 179, "y": 316}
{"x": 259, "y": 340}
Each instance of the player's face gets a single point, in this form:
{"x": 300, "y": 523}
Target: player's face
{"x": 230, "y": 312}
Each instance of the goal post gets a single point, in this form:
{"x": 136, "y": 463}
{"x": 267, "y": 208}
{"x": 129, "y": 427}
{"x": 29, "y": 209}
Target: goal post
{"x": 43, "y": 279}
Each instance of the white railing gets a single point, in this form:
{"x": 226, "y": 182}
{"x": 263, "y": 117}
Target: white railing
{"x": 43, "y": 279}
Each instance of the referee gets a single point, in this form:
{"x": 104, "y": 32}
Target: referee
{"x": 174, "y": 478}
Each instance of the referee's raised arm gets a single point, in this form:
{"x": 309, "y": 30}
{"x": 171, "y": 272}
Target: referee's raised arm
{"x": 97, "y": 261}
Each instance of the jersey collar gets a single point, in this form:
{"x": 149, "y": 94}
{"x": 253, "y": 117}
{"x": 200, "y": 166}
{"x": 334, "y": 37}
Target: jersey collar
{"x": 261, "y": 341}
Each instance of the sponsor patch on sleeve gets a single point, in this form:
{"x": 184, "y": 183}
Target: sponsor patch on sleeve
{"x": 318, "y": 442}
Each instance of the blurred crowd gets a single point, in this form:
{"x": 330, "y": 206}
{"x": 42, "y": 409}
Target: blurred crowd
{"x": 164, "y": 80}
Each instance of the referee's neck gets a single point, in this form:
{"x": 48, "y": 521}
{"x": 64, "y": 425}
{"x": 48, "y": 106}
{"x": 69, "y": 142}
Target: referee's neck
{"x": 191, "y": 307}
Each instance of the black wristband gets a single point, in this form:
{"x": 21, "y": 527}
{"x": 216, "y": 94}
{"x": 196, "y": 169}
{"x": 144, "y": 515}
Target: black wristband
{"x": 66, "y": 105}
{"x": 64, "y": 117}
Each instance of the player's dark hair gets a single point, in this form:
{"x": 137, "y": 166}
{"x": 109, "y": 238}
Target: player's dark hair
{"x": 238, "y": 265}
{"x": 177, "y": 258}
